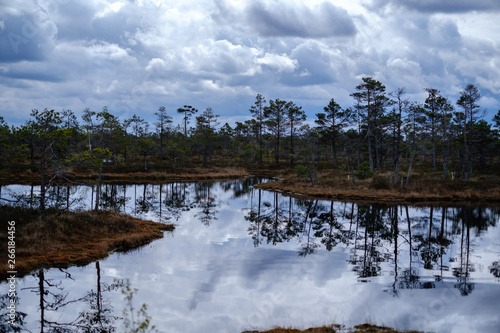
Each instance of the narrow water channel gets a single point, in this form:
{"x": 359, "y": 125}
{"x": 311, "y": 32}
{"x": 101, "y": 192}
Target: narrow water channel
{"x": 242, "y": 258}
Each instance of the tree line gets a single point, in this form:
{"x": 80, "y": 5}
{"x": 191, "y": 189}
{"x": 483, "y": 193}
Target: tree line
{"x": 380, "y": 131}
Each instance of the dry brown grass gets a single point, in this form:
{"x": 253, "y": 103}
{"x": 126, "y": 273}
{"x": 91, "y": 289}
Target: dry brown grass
{"x": 323, "y": 329}
{"x": 422, "y": 187}
{"x": 72, "y": 238}
{"x": 192, "y": 173}
{"x": 369, "y": 328}
{"x": 364, "y": 328}
{"x": 425, "y": 185}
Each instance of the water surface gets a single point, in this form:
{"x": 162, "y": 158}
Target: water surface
{"x": 242, "y": 258}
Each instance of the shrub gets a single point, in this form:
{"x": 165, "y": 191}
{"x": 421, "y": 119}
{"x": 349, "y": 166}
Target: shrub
{"x": 364, "y": 171}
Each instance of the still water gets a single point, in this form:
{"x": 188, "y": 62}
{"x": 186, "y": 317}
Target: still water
{"x": 241, "y": 258}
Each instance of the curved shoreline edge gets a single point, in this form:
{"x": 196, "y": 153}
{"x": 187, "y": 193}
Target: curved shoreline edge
{"x": 76, "y": 238}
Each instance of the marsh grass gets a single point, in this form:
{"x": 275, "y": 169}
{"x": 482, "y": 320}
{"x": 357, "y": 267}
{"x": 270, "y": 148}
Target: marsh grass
{"x": 423, "y": 186}
{"x": 369, "y": 328}
{"x": 324, "y": 329}
{"x": 363, "y": 328}
{"x": 111, "y": 174}
{"x": 72, "y": 238}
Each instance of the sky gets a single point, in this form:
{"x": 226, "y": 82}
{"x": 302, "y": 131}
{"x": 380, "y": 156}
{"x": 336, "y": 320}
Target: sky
{"x": 134, "y": 56}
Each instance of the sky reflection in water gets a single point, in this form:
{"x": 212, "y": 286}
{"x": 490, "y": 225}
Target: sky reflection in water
{"x": 242, "y": 258}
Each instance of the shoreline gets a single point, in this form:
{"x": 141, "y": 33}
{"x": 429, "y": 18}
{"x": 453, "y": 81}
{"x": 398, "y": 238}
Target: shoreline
{"x": 132, "y": 177}
{"x": 432, "y": 190}
{"x": 362, "y": 328}
{"x": 383, "y": 196}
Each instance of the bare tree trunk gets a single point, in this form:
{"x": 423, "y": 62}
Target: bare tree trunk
{"x": 466, "y": 153}
{"x": 43, "y": 164}
{"x": 433, "y": 141}
{"x": 67, "y": 197}
{"x": 41, "y": 286}
{"x": 445, "y": 152}
{"x": 469, "y": 155}
{"x": 310, "y": 173}
{"x": 98, "y": 190}
{"x": 370, "y": 152}
{"x": 161, "y": 145}
{"x": 398, "y": 134}
{"x": 98, "y": 294}
{"x": 314, "y": 169}
{"x": 334, "y": 151}
{"x": 411, "y": 163}
{"x": 378, "y": 158}
{"x": 260, "y": 143}
{"x": 277, "y": 152}
{"x": 409, "y": 234}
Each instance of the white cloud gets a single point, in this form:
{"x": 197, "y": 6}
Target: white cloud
{"x": 404, "y": 67}
{"x": 113, "y": 7}
{"x": 281, "y": 63}
{"x": 106, "y": 51}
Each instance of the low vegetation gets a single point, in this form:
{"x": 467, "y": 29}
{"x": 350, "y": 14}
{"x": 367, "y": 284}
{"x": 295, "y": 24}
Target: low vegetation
{"x": 424, "y": 185}
{"x": 364, "y": 328}
{"x": 71, "y": 238}
{"x": 117, "y": 175}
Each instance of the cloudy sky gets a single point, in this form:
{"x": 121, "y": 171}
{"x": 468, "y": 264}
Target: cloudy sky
{"x": 134, "y": 56}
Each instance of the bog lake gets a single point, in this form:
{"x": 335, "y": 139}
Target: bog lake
{"x": 241, "y": 258}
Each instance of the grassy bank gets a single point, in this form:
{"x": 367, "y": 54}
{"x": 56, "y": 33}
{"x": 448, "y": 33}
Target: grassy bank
{"x": 112, "y": 175}
{"x": 423, "y": 186}
{"x": 364, "y": 328}
{"x": 71, "y": 238}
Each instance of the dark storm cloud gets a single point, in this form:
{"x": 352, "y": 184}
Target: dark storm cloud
{"x": 425, "y": 31}
{"x": 25, "y": 37}
{"x": 440, "y": 6}
{"x": 42, "y": 76}
{"x": 78, "y": 21}
{"x": 285, "y": 19}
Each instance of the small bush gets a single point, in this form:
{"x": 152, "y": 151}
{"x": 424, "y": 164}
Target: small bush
{"x": 364, "y": 171}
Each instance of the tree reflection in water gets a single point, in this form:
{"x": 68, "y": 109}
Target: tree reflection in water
{"x": 379, "y": 233}
{"x": 9, "y": 324}
{"x": 205, "y": 200}
{"x": 372, "y": 233}
{"x": 96, "y": 314}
